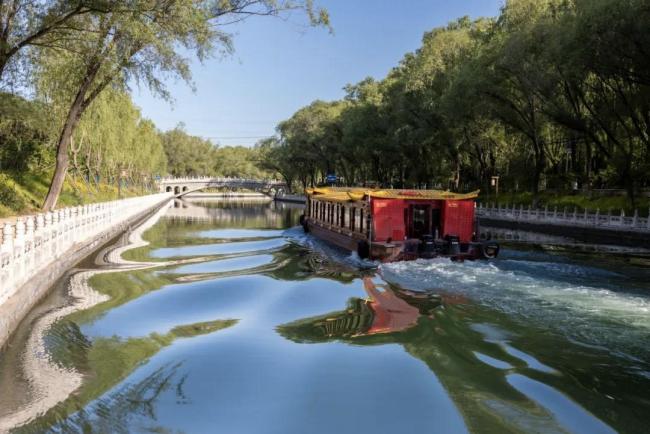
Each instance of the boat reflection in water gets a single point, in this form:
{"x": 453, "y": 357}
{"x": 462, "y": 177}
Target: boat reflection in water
{"x": 494, "y": 386}
{"x": 218, "y": 341}
{"x": 388, "y": 311}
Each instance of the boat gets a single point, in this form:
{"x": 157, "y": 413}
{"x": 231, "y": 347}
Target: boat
{"x": 395, "y": 225}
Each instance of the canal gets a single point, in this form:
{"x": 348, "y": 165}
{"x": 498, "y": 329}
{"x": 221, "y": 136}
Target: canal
{"x": 232, "y": 320}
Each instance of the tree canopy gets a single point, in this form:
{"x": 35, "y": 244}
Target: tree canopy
{"x": 73, "y": 53}
{"x": 549, "y": 94}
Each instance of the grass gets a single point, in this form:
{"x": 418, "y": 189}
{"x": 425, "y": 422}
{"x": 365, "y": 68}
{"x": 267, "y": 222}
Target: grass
{"x": 571, "y": 201}
{"x": 24, "y": 193}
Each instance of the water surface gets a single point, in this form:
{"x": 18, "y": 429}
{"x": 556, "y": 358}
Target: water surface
{"x": 271, "y": 331}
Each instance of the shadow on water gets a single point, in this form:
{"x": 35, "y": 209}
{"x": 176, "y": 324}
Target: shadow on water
{"x": 269, "y": 330}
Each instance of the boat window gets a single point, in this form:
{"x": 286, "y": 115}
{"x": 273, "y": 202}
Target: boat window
{"x": 353, "y": 218}
{"x": 419, "y": 224}
{"x": 342, "y": 216}
{"x": 361, "y": 220}
{"x": 368, "y": 223}
{"x": 435, "y": 222}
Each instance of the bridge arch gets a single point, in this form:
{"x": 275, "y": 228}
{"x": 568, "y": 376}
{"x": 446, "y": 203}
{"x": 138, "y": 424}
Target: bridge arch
{"x": 183, "y": 186}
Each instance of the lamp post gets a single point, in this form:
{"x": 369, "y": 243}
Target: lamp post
{"x": 123, "y": 174}
{"x": 494, "y": 182}
{"x": 145, "y": 180}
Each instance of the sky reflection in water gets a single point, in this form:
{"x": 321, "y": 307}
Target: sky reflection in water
{"x": 318, "y": 347}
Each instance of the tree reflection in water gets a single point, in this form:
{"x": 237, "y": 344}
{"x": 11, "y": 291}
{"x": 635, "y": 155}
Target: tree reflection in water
{"x": 476, "y": 370}
{"x": 131, "y": 405}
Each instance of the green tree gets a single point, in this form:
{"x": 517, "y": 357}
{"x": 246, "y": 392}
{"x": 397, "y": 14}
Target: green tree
{"x": 142, "y": 44}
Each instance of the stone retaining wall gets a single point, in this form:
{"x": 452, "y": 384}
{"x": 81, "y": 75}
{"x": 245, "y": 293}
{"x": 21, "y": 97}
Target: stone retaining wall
{"x": 37, "y": 250}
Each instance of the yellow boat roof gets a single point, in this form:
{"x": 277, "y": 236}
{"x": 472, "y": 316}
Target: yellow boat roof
{"x": 352, "y": 194}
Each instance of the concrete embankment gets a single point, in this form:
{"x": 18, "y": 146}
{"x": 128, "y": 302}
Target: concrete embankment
{"x": 37, "y": 251}
{"x": 585, "y": 234}
{"x": 49, "y": 382}
{"x": 292, "y": 198}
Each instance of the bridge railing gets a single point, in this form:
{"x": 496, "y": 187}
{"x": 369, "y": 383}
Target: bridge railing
{"x": 216, "y": 179}
{"x": 30, "y": 243}
{"x": 565, "y": 217}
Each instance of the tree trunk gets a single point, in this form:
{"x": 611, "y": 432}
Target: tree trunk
{"x": 3, "y": 64}
{"x": 629, "y": 179}
{"x": 62, "y": 160}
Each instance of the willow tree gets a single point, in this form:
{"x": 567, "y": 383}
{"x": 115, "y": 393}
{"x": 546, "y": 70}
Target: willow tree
{"x": 25, "y": 23}
{"x": 142, "y": 43}
{"x": 113, "y": 136}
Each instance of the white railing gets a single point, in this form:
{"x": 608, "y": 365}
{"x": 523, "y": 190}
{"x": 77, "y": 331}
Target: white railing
{"x": 566, "y": 217}
{"x": 213, "y": 179}
{"x": 31, "y": 243}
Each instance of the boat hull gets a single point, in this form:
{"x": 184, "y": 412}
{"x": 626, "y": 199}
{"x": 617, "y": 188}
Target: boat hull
{"x": 390, "y": 252}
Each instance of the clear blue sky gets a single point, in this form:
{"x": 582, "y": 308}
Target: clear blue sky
{"x": 282, "y": 65}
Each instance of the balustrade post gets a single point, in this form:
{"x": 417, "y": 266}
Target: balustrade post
{"x": 635, "y": 217}
{"x": 55, "y": 223}
{"x": 555, "y": 213}
{"x": 575, "y": 213}
{"x": 30, "y": 243}
{"x": 19, "y": 237}
{"x": 609, "y": 216}
{"x": 40, "y": 228}
{"x": 48, "y": 226}
{"x": 586, "y": 216}
{"x": 597, "y": 222}
{"x": 7, "y": 238}
{"x": 622, "y": 219}
{"x": 29, "y": 229}
{"x": 564, "y": 214}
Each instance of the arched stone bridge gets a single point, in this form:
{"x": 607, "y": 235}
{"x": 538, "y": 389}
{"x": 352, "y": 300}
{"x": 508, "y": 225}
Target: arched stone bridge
{"x": 182, "y": 186}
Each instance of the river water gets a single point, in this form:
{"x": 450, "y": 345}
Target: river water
{"x": 247, "y": 325}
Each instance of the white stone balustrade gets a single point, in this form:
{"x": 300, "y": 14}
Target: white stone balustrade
{"x": 31, "y": 243}
{"x": 566, "y": 218}
{"x": 187, "y": 184}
